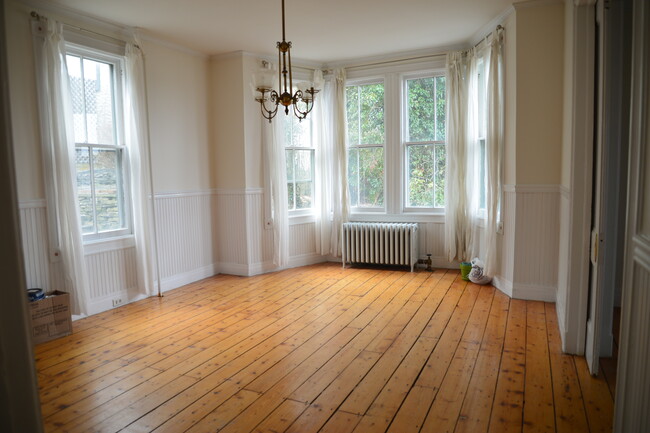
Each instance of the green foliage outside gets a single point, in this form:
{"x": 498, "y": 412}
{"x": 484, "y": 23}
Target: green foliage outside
{"x": 365, "y": 116}
{"x": 426, "y": 127}
{"x": 426, "y": 152}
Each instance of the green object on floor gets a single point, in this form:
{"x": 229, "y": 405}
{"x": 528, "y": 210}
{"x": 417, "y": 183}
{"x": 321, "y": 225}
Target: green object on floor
{"x": 465, "y": 268}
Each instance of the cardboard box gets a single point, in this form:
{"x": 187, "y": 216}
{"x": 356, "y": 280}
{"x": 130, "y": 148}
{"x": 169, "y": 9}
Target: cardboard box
{"x": 51, "y": 317}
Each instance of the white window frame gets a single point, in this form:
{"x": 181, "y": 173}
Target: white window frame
{"x": 295, "y": 213}
{"x": 481, "y": 140}
{"x": 117, "y": 62}
{"x": 364, "y": 82}
{"x": 404, "y": 144}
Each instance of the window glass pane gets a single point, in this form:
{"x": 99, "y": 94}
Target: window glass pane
{"x": 482, "y": 174}
{"x": 420, "y": 175}
{"x": 366, "y": 176}
{"x": 353, "y": 176}
{"x": 440, "y": 175}
{"x": 352, "y": 112}
{"x": 303, "y": 164}
{"x": 290, "y": 156}
{"x": 421, "y": 105}
{"x": 304, "y": 195}
{"x": 98, "y": 99}
{"x": 108, "y": 193}
{"x": 291, "y": 195}
{"x": 440, "y": 108}
{"x": 365, "y": 114}
{"x": 84, "y": 189}
{"x": 371, "y": 114}
{"x": 77, "y": 90}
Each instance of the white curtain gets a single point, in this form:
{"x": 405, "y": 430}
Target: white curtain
{"x": 58, "y": 147}
{"x": 457, "y": 220}
{"x": 322, "y": 133}
{"x": 471, "y": 227}
{"x": 339, "y": 162}
{"x": 276, "y": 179}
{"x": 137, "y": 143}
{"x": 494, "y": 100}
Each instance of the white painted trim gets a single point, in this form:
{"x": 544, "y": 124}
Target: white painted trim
{"x": 536, "y": 3}
{"x": 175, "y": 194}
{"x": 305, "y": 260}
{"x": 582, "y": 113}
{"x": 397, "y": 59}
{"x": 503, "y": 284}
{"x": 99, "y": 305}
{"x": 179, "y": 280}
{"x": 32, "y": 204}
{"x": 532, "y": 292}
{"x": 527, "y": 188}
{"x": 398, "y": 218}
{"x": 112, "y": 244}
{"x": 239, "y": 191}
{"x": 565, "y": 192}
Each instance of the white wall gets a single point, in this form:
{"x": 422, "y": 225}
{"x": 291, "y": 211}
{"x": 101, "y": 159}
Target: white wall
{"x": 177, "y": 83}
{"x": 540, "y": 59}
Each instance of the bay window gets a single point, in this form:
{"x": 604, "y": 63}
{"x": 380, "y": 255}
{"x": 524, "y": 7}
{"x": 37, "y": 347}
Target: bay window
{"x": 397, "y": 157}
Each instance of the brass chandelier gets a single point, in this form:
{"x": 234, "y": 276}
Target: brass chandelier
{"x": 302, "y": 101}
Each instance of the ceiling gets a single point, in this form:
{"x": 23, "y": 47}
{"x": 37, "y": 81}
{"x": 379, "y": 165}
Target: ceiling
{"x": 322, "y": 31}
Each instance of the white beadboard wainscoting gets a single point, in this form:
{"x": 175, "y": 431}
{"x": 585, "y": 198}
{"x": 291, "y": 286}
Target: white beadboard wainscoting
{"x": 245, "y": 241}
{"x": 207, "y": 232}
{"x": 186, "y": 250}
{"x": 529, "y": 253}
{"x": 187, "y": 246}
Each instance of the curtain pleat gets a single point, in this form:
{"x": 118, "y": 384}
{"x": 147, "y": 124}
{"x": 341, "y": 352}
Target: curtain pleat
{"x": 58, "y": 146}
{"x": 137, "y": 144}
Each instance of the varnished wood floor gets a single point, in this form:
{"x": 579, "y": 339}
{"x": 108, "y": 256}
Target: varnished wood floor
{"x": 319, "y": 348}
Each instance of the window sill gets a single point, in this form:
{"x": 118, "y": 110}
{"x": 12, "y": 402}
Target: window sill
{"x": 301, "y": 219}
{"x": 110, "y": 244}
{"x": 398, "y": 218}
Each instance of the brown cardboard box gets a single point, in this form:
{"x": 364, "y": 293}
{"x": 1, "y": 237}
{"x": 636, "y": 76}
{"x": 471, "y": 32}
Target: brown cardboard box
{"x": 51, "y": 317}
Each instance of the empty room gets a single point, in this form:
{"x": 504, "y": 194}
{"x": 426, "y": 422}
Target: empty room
{"x": 342, "y": 216}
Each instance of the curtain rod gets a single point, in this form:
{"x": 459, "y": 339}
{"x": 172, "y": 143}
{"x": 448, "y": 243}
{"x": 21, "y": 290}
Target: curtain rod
{"x": 499, "y": 27}
{"x": 386, "y": 62}
{"x": 39, "y": 17}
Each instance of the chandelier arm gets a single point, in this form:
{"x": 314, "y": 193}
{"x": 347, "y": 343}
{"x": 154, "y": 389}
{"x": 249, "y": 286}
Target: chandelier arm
{"x": 266, "y": 113}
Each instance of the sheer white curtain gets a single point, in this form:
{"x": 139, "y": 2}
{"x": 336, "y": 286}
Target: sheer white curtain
{"x": 58, "y": 147}
{"x": 137, "y": 143}
{"x": 475, "y": 95}
{"x": 494, "y": 101}
{"x": 339, "y": 163}
{"x": 276, "y": 186}
{"x": 458, "y": 231}
{"x": 322, "y": 133}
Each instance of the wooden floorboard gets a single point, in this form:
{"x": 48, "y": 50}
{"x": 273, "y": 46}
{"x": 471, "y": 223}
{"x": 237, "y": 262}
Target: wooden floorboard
{"x": 322, "y": 349}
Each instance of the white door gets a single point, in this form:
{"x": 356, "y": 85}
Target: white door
{"x": 632, "y": 411}
{"x": 592, "y": 343}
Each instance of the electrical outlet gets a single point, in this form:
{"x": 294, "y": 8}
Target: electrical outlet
{"x": 117, "y": 302}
